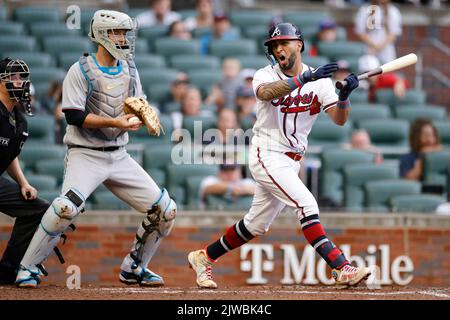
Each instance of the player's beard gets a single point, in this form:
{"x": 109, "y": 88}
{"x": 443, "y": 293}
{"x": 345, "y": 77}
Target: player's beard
{"x": 290, "y": 64}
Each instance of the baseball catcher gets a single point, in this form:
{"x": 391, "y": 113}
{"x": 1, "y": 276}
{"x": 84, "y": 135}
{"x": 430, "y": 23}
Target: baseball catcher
{"x": 96, "y": 101}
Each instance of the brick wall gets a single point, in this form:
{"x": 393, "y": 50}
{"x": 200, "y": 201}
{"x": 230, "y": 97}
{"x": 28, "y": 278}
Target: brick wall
{"x": 98, "y": 251}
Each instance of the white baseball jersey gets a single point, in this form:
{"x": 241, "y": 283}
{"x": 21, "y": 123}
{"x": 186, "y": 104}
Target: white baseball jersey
{"x": 284, "y": 124}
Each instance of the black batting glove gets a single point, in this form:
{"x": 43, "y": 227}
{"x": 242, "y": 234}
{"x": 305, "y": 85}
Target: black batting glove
{"x": 352, "y": 84}
{"x": 324, "y": 71}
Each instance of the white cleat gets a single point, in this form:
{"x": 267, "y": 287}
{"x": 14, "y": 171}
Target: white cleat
{"x": 203, "y": 267}
{"x": 349, "y": 276}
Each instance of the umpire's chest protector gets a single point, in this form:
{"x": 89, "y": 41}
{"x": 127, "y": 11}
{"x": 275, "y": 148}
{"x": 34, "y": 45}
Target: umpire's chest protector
{"x": 108, "y": 89}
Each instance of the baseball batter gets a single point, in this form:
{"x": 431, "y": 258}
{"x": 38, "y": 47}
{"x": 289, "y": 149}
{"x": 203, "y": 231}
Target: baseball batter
{"x": 290, "y": 96}
{"x": 94, "y": 90}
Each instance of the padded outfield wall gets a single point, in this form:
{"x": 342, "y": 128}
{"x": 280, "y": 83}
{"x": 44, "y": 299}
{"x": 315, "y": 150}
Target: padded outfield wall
{"x": 408, "y": 249}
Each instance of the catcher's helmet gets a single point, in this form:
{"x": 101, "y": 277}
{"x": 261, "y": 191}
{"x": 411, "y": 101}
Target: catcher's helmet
{"x": 15, "y": 74}
{"x": 105, "y": 21}
{"x": 283, "y": 31}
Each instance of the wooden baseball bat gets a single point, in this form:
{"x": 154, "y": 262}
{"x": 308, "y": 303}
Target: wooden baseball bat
{"x": 393, "y": 65}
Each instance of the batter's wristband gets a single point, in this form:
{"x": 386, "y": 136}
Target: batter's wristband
{"x": 295, "y": 82}
{"x": 343, "y": 104}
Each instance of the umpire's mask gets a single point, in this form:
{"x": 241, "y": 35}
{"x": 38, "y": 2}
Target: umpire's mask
{"x": 15, "y": 74}
{"x": 104, "y": 30}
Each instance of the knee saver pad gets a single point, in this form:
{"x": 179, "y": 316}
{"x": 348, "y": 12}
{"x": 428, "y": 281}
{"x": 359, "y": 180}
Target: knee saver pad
{"x": 167, "y": 206}
{"x": 62, "y": 211}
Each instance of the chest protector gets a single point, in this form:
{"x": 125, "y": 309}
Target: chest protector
{"x": 107, "y": 92}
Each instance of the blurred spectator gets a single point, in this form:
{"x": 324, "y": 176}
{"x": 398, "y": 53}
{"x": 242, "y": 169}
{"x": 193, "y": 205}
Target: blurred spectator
{"x": 246, "y": 76}
{"x": 178, "y": 88}
{"x": 178, "y": 30}
{"x": 227, "y": 123}
{"x": 423, "y": 138}
{"x": 228, "y": 183}
{"x": 191, "y": 105}
{"x": 245, "y": 104}
{"x": 389, "y": 80}
{"x": 327, "y": 33}
{"x": 204, "y": 17}
{"x": 360, "y": 140}
{"x": 160, "y": 14}
{"x": 378, "y": 24}
{"x": 222, "y": 30}
{"x": 343, "y": 71}
{"x": 224, "y": 93}
{"x": 52, "y": 104}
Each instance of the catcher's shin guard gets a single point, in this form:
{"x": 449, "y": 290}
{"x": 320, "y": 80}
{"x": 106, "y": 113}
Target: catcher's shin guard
{"x": 57, "y": 219}
{"x": 157, "y": 224}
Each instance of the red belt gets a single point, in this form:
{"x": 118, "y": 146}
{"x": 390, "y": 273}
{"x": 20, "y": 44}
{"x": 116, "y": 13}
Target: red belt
{"x": 294, "y": 156}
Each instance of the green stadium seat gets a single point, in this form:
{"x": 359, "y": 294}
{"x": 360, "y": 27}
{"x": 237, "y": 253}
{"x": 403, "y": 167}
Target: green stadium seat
{"x": 228, "y": 48}
{"x": 41, "y": 89}
{"x": 245, "y": 18}
{"x": 168, "y": 47}
{"x": 359, "y": 96}
{"x": 148, "y": 60}
{"x": 193, "y": 191}
{"x": 378, "y": 193}
{"x": 341, "y": 49}
{"x": 17, "y": 43}
{"x": 315, "y": 62}
{"x": 443, "y": 127}
{"x": 362, "y": 112}
{"x": 150, "y": 76}
{"x": 158, "y": 156}
{"x": 253, "y": 61}
{"x": 201, "y": 31}
{"x": 158, "y": 175}
{"x": 423, "y": 203}
{"x": 134, "y": 12}
{"x": 386, "y": 96}
{"x": 326, "y": 133}
{"x": 191, "y": 62}
{"x": 41, "y": 129}
{"x": 303, "y": 18}
{"x": 159, "y": 93}
{"x": 221, "y": 203}
{"x": 333, "y": 162}
{"x": 341, "y": 34}
{"x": 48, "y": 74}
{"x": 67, "y": 59}
{"x": 42, "y": 30}
{"x": 33, "y": 59}
{"x": 247, "y": 122}
{"x": 204, "y": 78}
{"x": 353, "y": 63}
{"x": 33, "y": 153}
{"x": 56, "y": 45}
{"x": 357, "y": 175}
{"x": 412, "y": 112}
{"x": 54, "y": 168}
{"x": 435, "y": 167}
{"x": 309, "y": 32}
{"x": 86, "y": 15}
{"x": 172, "y": 106}
{"x": 106, "y": 200}
{"x": 3, "y": 13}
{"x": 12, "y": 28}
{"x": 255, "y": 32}
{"x": 142, "y": 46}
{"x": 206, "y": 123}
{"x": 32, "y": 14}
{"x": 49, "y": 195}
{"x": 387, "y": 132}
{"x": 153, "y": 33}
{"x": 177, "y": 174}
{"x": 42, "y": 182}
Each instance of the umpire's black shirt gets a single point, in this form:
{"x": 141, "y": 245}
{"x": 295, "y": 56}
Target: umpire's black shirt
{"x": 13, "y": 134}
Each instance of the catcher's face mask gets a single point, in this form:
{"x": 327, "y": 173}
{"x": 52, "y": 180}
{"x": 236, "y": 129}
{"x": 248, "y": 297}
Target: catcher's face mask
{"x": 116, "y": 32}
{"x": 14, "y": 74}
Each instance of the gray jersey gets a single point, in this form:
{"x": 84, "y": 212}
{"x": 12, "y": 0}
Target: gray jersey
{"x": 101, "y": 91}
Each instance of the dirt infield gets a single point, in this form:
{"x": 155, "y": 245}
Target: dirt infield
{"x": 122, "y": 292}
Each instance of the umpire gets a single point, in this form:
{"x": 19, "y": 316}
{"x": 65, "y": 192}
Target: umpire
{"x": 17, "y": 199}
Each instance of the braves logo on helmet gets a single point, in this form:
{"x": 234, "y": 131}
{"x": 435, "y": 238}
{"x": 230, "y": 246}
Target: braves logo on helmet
{"x": 276, "y": 32}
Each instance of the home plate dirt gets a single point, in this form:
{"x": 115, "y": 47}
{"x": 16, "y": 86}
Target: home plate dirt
{"x": 120, "y": 292}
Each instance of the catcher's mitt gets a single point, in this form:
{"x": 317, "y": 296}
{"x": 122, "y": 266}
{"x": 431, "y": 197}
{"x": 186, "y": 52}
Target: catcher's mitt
{"x": 145, "y": 113}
